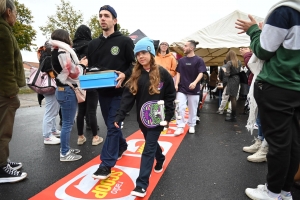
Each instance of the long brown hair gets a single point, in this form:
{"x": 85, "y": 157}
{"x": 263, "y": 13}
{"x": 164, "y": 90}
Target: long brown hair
{"x": 154, "y": 78}
{"x": 231, "y": 56}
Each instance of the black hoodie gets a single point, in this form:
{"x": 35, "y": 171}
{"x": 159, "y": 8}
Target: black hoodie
{"x": 167, "y": 93}
{"x": 81, "y": 40}
{"x": 112, "y": 53}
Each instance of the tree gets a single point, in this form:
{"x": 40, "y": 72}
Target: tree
{"x": 23, "y": 31}
{"x": 96, "y": 29}
{"x": 66, "y": 18}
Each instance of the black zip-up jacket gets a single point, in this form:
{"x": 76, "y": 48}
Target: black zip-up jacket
{"x": 167, "y": 93}
{"x": 112, "y": 53}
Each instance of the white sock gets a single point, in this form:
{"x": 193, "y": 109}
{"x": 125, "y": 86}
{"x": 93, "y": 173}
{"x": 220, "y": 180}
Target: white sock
{"x": 272, "y": 194}
{"x": 264, "y": 143}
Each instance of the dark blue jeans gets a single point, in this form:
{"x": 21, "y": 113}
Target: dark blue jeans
{"x": 151, "y": 150}
{"x": 68, "y": 103}
{"x": 114, "y": 139}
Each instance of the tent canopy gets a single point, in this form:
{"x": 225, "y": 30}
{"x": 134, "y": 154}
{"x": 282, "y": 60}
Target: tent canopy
{"x": 217, "y": 39}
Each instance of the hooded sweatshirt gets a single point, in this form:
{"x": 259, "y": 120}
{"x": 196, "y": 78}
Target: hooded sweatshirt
{"x": 281, "y": 52}
{"x": 81, "y": 40}
{"x": 168, "y": 61}
{"x": 167, "y": 93}
{"x": 112, "y": 53}
{"x": 12, "y": 74}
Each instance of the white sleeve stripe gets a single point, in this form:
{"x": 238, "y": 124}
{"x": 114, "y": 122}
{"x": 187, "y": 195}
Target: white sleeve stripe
{"x": 272, "y": 37}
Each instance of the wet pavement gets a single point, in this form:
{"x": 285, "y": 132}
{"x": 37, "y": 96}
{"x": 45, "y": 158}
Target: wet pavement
{"x": 208, "y": 165}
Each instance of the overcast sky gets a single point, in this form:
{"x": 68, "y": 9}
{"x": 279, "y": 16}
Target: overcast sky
{"x": 170, "y": 20}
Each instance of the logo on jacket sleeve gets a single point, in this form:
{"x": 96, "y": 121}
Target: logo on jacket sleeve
{"x": 115, "y": 50}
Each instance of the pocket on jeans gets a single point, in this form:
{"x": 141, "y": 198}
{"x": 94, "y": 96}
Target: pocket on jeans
{"x": 61, "y": 96}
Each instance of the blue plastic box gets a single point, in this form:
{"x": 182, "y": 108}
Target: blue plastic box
{"x": 98, "y": 80}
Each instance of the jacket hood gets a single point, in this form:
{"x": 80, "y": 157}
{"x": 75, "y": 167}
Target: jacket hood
{"x": 164, "y": 56}
{"x": 82, "y": 37}
{"x": 2, "y": 21}
{"x": 114, "y": 34}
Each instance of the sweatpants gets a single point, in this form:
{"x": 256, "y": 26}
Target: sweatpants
{"x": 224, "y": 101}
{"x": 279, "y": 115}
{"x": 192, "y": 101}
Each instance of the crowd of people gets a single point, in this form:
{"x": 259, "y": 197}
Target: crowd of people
{"x": 145, "y": 75}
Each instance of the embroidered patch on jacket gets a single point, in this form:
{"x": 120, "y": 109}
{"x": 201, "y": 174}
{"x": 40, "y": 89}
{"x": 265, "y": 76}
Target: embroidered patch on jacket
{"x": 115, "y": 50}
{"x": 160, "y": 85}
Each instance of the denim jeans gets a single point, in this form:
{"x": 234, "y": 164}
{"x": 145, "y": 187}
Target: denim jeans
{"x": 8, "y": 108}
{"x": 51, "y": 111}
{"x": 68, "y": 103}
{"x": 88, "y": 109}
{"x": 151, "y": 150}
{"x": 114, "y": 139}
{"x": 260, "y": 132}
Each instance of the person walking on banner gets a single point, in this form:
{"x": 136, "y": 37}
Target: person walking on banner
{"x": 111, "y": 51}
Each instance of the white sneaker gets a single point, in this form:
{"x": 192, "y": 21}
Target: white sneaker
{"x": 287, "y": 196}
{"x": 56, "y": 133}
{"x": 51, "y": 140}
{"x": 260, "y": 193}
{"x": 197, "y": 119}
{"x": 254, "y": 147}
{"x": 192, "y": 130}
{"x": 260, "y": 155}
{"x": 70, "y": 157}
{"x": 178, "y": 131}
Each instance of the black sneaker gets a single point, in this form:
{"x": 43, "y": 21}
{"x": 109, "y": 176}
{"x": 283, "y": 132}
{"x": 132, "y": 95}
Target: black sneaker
{"x": 158, "y": 167}
{"x": 138, "y": 191}
{"x": 121, "y": 152}
{"x": 102, "y": 172}
{"x": 10, "y": 175}
{"x": 15, "y": 165}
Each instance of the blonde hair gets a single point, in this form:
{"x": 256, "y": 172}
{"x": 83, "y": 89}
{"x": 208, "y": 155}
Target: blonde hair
{"x": 154, "y": 78}
{"x": 231, "y": 56}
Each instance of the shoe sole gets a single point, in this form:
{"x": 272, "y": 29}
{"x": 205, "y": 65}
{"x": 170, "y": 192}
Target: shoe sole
{"x": 101, "y": 177}
{"x": 70, "y": 160}
{"x": 13, "y": 179}
{"x": 158, "y": 171}
{"x": 51, "y": 143}
{"x": 250, "y": 151}
{"x": 134, "y": 193}
{"x": 257, "y": 160}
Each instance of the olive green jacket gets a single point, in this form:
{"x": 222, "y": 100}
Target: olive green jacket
{"x": 12, "y": 74}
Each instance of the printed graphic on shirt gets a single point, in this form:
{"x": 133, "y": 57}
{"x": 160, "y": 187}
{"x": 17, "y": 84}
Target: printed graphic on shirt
{"x": 115, "y": 50}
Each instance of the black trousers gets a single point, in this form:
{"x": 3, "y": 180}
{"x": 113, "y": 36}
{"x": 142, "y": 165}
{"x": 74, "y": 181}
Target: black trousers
{"x": 88, "y": 108}
{"x": 279, "y": 113}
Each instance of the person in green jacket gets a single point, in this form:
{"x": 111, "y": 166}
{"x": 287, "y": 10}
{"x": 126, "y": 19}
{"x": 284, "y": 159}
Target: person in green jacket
{"x": 11, "y": 78}
{"x": 277, "y": 93}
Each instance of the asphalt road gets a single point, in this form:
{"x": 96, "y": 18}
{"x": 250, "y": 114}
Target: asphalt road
{"x": 208, "y": 165}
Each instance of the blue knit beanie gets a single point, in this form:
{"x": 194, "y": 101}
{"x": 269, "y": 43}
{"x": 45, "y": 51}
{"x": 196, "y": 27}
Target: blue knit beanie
{"x": 110, "y": 9}
{"x": 144, "y": 44}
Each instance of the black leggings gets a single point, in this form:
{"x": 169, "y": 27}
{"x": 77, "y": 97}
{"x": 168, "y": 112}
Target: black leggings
{"x": 88, "y": 108}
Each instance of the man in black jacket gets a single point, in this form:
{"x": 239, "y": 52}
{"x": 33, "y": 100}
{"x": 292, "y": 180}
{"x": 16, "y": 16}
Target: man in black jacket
{"x": 111, "y": 51}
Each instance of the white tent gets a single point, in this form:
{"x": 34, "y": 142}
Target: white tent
{"x": 217, "y": 39}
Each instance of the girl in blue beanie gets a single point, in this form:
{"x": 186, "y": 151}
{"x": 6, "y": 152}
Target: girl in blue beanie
{"x": 148, "y": 82}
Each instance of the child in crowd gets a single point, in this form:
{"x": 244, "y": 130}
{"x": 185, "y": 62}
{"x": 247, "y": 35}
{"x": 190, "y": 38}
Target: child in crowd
{"x": 148, "y": 82}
